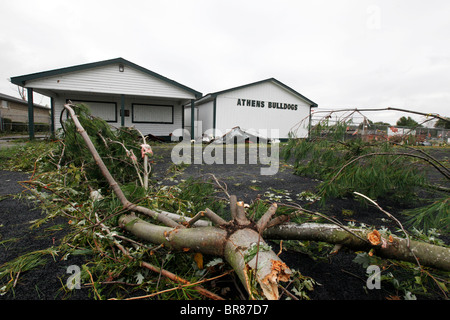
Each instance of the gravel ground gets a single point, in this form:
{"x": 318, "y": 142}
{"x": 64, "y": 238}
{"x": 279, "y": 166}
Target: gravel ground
{"x": 16, "y": 217}
{"x": 339, "y": 277}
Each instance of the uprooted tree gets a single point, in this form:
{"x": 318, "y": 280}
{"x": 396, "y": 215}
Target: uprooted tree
{"x": 241, "y": 240}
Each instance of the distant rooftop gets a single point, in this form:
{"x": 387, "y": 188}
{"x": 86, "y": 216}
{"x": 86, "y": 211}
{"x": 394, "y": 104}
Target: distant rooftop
{"x": 18, "y": 100}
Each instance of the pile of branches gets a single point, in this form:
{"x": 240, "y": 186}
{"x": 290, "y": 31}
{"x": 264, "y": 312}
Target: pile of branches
{"x": 380, "y": 168}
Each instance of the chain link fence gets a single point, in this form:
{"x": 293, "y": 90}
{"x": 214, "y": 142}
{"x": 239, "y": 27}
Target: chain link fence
{"x": 411, "y": 136}
{"x": 358, "y": 126}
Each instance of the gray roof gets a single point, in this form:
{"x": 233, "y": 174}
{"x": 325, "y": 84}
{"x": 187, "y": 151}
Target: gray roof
{"x": 211, "y": 96}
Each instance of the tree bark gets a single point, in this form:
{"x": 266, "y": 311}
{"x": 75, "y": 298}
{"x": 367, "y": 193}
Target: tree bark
{"x": 207, "y": 240}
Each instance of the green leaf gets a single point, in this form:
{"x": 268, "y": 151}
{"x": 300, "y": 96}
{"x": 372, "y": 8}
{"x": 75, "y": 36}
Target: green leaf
{"x": 442, "y": 286}
{"x": 79, "y": 252}
{"x": 254, "y": 249}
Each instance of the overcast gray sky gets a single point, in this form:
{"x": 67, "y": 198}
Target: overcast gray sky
{"x": 338, "y": 53}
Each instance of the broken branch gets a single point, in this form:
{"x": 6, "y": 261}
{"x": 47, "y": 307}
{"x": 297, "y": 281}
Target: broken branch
{"x": 211, "y": 215}
{"x": 264, "y": 220}
{"x": 233, "y": 206}
{"x": 240, "y": 213}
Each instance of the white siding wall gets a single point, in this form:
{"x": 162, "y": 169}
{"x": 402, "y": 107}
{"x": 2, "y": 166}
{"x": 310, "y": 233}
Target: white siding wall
{"x": 156, "y": 129}
{"x": 230, "y": 115}
{"x": 108, "y": 79}
{"x": 205, "y": 115}
{"x": 198, "y": 130}
{"x": 187, "y": 118}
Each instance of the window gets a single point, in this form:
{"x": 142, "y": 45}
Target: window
{"x": 103, "y": 110}
{"x": 149, "y": 113}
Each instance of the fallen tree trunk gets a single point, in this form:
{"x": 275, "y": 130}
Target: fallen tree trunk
{"x": 207, "y": 240}
{"x": 398, "y": 248}
{"x": 390, "y": 247}
{"x": 238, "y": 241}
{"x": 356, "y": 239}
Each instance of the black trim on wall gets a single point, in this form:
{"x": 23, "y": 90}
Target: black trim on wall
{"x": 150, "y": 105}
{"x": 182, "y": 116}
{"x": 87, "y": 102}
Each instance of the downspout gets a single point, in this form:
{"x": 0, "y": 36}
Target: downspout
{"x": 30, "y": 113}
{"x": 214, "y": 115}
{"x": 1, "y": 121}
{"x": 122, "y": 110}
{"x": 309, "y": 124}
{"x": 52, "y": 116}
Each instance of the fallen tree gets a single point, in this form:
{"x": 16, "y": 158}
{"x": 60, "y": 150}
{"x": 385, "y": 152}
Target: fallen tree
{"x": 240, "y": 240}
{"x": 386, "y": 247}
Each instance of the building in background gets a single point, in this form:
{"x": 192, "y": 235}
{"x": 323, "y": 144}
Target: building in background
{"x": 14, "y": 114}
{"x": 125, "y": 94}
{"x": 258, "y": 107}
{"x": 116, "y": 90}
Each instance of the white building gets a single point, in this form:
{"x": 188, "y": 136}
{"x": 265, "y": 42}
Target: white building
{"x": 125, "y": 94}
{"x": 259, "y": 106}
{"x": 118, "y": 91}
